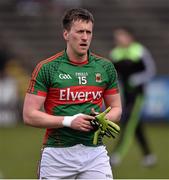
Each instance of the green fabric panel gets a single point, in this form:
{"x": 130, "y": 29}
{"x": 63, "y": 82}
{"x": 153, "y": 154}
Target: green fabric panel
{"x": 133, "y": 53}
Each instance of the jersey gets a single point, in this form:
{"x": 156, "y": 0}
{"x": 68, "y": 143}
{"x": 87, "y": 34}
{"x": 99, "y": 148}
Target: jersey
{"x": 135, "y": 66}
{"x": 128, "y": 60}
{"x": 70, "y": 89}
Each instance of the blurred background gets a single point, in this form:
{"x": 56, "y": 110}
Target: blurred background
{"x": 30, "y": 31}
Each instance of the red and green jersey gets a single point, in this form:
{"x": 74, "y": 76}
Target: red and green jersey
{"x": 70, "y": 89}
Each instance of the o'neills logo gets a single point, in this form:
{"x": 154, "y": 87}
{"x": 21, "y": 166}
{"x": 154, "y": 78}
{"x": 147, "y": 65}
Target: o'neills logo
{"x": 68, "y": 95}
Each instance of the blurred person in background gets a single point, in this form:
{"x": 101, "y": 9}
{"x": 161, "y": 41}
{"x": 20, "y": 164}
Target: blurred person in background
{"x": 135, "y": 67}
{"x": 68, "y": 85}
{"x": 8, "y": 91}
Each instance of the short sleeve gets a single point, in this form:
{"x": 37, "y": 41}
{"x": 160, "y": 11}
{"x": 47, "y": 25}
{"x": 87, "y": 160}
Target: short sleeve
{"x": 112, "y": 86}
{"x": 38, "y": 83}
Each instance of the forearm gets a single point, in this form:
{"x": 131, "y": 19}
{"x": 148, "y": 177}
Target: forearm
{"x": 114, "y": 101}
{"x": 40, "y": 119}
{"x": 114, "y": 114}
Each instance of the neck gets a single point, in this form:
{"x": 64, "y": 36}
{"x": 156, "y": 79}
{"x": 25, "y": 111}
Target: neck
{"x": 76, "y": 58}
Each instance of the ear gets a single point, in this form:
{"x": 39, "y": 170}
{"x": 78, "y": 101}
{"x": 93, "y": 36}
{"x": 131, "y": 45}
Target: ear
{"x": 66, "y": 35}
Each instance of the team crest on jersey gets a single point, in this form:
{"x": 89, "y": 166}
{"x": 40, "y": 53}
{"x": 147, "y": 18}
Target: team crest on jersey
{"x": 98, "y": 77}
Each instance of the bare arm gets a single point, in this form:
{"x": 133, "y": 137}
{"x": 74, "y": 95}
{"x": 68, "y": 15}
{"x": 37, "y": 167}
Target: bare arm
{"x": 114, "y": 101}
{"x": 33, "y": 116}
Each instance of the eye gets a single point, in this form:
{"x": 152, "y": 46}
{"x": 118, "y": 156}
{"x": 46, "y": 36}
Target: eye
{"x": 80, "y": 31}
{"x": 88, "y": 32}
{"x": 84, "y": 31}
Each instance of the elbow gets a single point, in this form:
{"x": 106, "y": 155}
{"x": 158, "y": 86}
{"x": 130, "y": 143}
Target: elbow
{"x": 27, "y": 119}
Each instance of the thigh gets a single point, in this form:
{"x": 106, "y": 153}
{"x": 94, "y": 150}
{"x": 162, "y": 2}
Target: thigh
{"x": 97, "y": 165}
{"x": 54, "y": 166}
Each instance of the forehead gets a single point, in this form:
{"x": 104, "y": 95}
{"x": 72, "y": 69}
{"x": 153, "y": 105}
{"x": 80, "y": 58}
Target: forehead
{"x": 121, "y": 33}
{"x": 82, "y": 25}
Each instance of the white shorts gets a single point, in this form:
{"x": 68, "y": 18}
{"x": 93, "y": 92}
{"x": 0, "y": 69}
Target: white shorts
{"x": 76, "y": 162}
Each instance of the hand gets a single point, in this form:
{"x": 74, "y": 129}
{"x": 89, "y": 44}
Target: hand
{"x": 79, "y": 122}
{"x": 104, "y": 126}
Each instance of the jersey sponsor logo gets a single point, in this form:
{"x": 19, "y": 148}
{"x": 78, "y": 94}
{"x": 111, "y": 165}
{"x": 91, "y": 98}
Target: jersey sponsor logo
{"x": 65, "y": 76}
{"x": 67, "y": 94}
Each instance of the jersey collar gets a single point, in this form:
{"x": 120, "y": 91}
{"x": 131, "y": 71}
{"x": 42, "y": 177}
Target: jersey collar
{"x": 78, "y": 64}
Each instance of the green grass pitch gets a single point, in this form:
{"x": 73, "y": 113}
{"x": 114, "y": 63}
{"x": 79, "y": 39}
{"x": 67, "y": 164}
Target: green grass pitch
{"x": 20, "y": 152}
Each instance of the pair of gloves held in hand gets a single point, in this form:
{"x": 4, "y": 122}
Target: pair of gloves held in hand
{"x": 103, "y": 126}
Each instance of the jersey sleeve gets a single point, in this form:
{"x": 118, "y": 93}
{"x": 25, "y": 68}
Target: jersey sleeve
{"x": 38, "y": 83}
{"x": 112, "y": 86}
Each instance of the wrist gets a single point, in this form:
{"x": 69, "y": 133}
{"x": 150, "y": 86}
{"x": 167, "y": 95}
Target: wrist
{"x": 67, "y": 121}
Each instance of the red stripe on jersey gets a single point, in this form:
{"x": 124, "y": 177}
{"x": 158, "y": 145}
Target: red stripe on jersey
{"x": 41, "y": 93}
{"x": 111, "y": 91}
{"x": 47, "y": 134}
{"x": 73, "y": 95}
{"x": 79, "y": 63}
{"x": 37, "y": 69}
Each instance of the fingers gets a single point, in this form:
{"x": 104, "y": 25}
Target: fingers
{"x": 83, "y": 126}
{"x": 82, "y": 122}
{"x": 93, "y": 112}
{"x": 113, "y": 130}
{"x": 86, "y": 127}
{"x": 87, "y": 117}
{"x": 109, "y": 133}
{"x": 107, "y": 110}
{"x": 114, "y": 127}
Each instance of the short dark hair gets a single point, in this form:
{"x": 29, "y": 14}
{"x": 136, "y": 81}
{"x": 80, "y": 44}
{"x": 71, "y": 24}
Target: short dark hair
{"x": 74, "y": 15}
{"x": 128, "y": 29}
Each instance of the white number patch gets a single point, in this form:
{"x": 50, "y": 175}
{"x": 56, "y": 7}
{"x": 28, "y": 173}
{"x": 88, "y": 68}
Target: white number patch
{"x": 82, "y": 80}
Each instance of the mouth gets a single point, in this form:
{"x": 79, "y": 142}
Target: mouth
{"x": 83, "y": 45}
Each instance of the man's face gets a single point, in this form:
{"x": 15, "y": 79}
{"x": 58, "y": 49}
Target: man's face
{"x": 122, "y": 38}
{"x": 79, "y": 37}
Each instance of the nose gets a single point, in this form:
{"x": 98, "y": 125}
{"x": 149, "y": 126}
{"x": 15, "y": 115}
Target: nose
{"x": 84, "y": 36}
